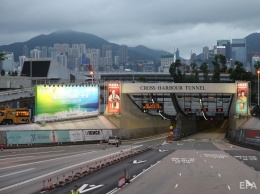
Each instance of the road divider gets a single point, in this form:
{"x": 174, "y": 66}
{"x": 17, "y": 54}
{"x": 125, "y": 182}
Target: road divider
{"x": 90, "y": 167}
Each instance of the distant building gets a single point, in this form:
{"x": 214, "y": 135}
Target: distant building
{"x": 224, "y": 48}
{"x": 25, "y": 51}
{"x": 35, "y": 53}
{"x": 123, "y": 54}
{"x": 205, "y": 53}
{"x": 166, "y": 61}
{"x": 44, "y": 52}
{"x": 239, "y": 51}
{"x": 255, "y": 59}
{"x": 177, "y": 54}
{"x": 116, "y": 58}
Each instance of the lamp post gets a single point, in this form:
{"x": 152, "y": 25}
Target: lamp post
{"x": 92, "y": 76}
{"x": 258, "y": 87}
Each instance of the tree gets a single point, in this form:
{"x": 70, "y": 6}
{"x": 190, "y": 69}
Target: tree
{"x": 176, "y": 74}
{"x": 238, "y": 72}
{"x": 2, "y": 72}
{"x": 216, "y": 75}
{"x": 205, "y": 71}
{"x": 2, "y": 56}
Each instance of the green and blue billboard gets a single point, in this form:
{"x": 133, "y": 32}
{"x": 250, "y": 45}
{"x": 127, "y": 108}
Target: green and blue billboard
{"x": 65, "y": 102}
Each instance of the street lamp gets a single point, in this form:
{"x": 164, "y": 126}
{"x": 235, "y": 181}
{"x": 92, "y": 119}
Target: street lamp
{"x": 258, "y": 87}
{"x": 92, "y": 76}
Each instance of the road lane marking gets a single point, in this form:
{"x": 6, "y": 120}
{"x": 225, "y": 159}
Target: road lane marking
{"x": 176, "y": 186}
{"x": 66, "y": 168}
{"x": 205, "y": 161}
{"x": 43, "y": 161}
{"x": 33, "y": 153}
{"x": 142, "y": 171}
{"x": 180, "y": 174}
{"x": 219, "y": 175}
{"x": 228, "y": 187}
{"x": 15, "y": 158}
{"x": 211, "y": 166}
{"x": 16, "y": 172}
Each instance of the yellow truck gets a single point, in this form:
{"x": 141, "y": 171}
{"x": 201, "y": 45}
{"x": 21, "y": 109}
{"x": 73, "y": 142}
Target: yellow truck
{"x": 10, "y": 116}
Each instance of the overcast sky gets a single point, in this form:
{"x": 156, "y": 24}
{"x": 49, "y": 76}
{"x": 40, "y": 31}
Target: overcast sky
{"x": 158, "y": 24}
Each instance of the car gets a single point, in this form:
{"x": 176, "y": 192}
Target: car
{"x": 114, "y": 140}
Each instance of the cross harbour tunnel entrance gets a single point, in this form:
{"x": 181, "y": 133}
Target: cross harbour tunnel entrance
{"x": 192, "y": 106}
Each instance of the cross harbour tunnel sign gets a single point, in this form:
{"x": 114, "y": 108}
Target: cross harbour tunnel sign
{"x": 228, "y": 88}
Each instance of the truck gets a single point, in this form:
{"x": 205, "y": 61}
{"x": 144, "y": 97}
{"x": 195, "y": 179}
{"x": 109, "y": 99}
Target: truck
{"x": 10, "y": 116}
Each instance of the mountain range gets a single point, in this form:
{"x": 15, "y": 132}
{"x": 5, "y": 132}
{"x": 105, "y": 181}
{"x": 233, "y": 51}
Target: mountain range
{"x": 72, "y": 37}
{"x": 92, "y": 41}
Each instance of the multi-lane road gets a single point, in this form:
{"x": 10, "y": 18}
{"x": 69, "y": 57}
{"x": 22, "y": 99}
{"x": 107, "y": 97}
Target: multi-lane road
{"x": 203, "y": 163}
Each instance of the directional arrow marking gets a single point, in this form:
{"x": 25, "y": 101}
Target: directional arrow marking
{"x": 139, "y": 161}
{"x": 86, "y": 187}
{"x": 163, "y": 150}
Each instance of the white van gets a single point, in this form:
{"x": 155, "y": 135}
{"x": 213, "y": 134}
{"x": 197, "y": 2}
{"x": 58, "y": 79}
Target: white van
{"x": 114, "y": 140}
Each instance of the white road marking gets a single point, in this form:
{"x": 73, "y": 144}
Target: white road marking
{"x": 15, "y": 158}
{"x": 176, "y": 186}
{"x": 60, "y": 170}
{"x": 205, "y": 161}
{"x": 211, "y": 166}
{"x": 142, "y": 172}
{"x": 223, "y": 124}
{"x": 180, "y": 174}
{"x": 16, "y": 172}
{"x": 33, "y": 153}
{"x": 228, "y": 187}
{"x": 219, "y": 175}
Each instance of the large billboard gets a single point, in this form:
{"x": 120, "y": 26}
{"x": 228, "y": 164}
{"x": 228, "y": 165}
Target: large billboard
{"x": 114, "y": 97}
{"x": 242, "y": 101}
{"x": 56, "y": 102}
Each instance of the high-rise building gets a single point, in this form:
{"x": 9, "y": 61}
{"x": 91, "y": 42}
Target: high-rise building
{"x": 106, "y": 48}
{"x": 224, "y": 48}
{"x": 21, "y": 61}
{"x": 166, "y": 61}
{"x": 177, "y": 54}
{"x": 123, "y": 54}
{"x": 239, "y": 51}
{"x": 35, "y": 53}
{"x": 255, "y": 59}
{"x": 205, "y": 53}
{"x": 44, "y": 52}
{"x": 25, "y": 51}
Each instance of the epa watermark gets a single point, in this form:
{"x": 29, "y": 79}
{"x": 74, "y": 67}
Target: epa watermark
{"x": 247, "y": 185}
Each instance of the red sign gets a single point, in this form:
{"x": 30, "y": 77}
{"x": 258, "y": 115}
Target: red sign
{"x": 114, "y": 97}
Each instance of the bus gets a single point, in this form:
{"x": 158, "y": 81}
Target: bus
{"x": 10, "y": 116}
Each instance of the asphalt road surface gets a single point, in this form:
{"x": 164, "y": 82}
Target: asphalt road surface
{"x": 28, "y": 170}
{"x": 203, "y": 163}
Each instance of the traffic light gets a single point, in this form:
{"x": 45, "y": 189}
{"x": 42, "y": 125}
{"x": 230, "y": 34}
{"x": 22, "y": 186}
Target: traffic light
{"x": 204, "y": 109}
{"x": 187, "y": 109}
{"x": 219, "y": 109}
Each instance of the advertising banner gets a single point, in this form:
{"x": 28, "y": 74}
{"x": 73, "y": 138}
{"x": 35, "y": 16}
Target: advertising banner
{"x": 25, "y": 137}
{"x": 64, "y": 102}
{"x": 76, "y": 136}
{"x": 91, "y": 135}
{"x": 242, "y": 93}
{"x": 114, "y": 97}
